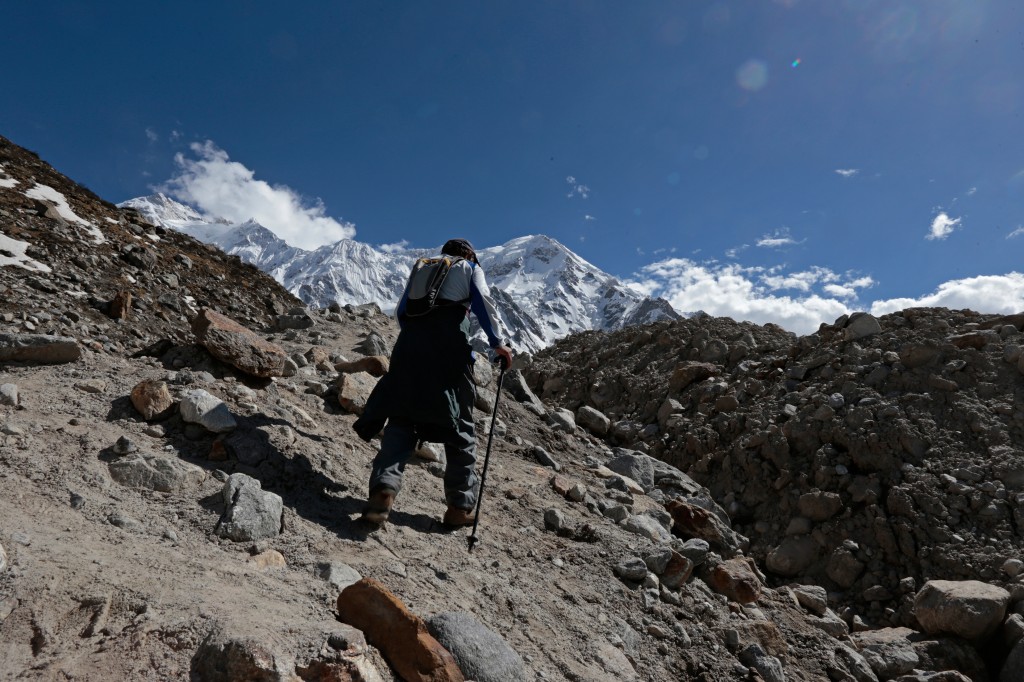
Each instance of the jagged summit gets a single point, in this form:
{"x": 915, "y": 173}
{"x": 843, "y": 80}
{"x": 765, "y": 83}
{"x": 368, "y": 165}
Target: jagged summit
{"x": 545, "y": 291}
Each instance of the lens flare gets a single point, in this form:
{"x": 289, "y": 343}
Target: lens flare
{"x": 753, "y": 75}
{"x": 796, "y": 62}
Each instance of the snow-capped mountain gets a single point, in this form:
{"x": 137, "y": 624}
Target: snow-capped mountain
{"x": 543, "y": 291}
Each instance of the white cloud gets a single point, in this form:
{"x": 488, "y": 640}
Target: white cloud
{"x": 589, "y": 217}
{"x": 942, "y": 226}
{"x": 578, "y": 189}
{"x": 1002, "y": 294}
{"x": 151, "y": 135}
{"x": 801, "y": 281}
{"x": 1016, "y": 233}
{"x": 734, "y": 291}
{"x": 394, "y": 247}
{"x": 847, "y": 172}
{"x": 777, "y": 240}
{"x": 972, "y": 191}
{"x": 227, "y": 189}
{"x": 735, "y": 251}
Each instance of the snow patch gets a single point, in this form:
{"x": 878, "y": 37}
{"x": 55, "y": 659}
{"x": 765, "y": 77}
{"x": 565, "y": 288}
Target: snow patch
{"x": 7, "y": 183}
{"x": 60, "y": 202}
{"x": 12, "y": 252}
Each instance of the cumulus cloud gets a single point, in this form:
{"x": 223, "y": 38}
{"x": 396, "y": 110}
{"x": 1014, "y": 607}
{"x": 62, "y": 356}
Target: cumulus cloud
{"x": 942, "y": 226}
{"x": 1016, "y": 233}
{"x": 394, "y": 247}
{"x": 1002, "y": 294}
{"x": 588, "y": 218}
{"x": 847, "y": 172}
{"x": 801, "y": 281}
{"x": 972, "y": 191}
{"x": 735, "y": 291}
{"x": 734, "y": 252}
{"x": 151, "y": 135}
{"x": 227, "y": 189}
{"x": 779, "y": 239}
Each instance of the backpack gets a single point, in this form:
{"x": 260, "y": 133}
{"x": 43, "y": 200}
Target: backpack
{"x": 425, "y": 283}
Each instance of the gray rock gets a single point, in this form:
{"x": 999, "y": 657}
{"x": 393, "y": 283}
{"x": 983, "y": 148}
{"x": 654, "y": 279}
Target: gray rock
{"x": 617, "y": 512}
{"x": 482, "y": 654}
{"x": 125, "y": 446}
{"x": 966, "y": 608}
{"x": 658, "y": 561}
{"x": 252, "y": 513}
{"x": 1013, "y": 629}
{"x": 9, "y": 394}
{"x": 861, "y": 325}
{"x": 1013, "y": 668}
{"x": 152, "y": 472}
{"x": 814, "y": 598}
{"x": 374, "y": 344}
{"x": 854, "y": 664}
{"x": 818, "y": 505}
{"x": 632, "y": 568}
{"x": 38, "y": 348}
{"x": 210, "y": 412}
{"x": 593, "y": 420}
{"x": 635, "y": 465}
{"x": 831, "y": 624}
{"x": 125, "y": 522}
{"x": 647, "y": 527}
{"x": 554, "y": 520}
{"x": 562, "y": 420}
{"x": 545, "y": 458}
{"x": 768, "y": 666}
{"x": 793, "y": 556}
{"x": 695, "y": 549}
{"x": 515, "y": 384}
{"x": 3, "y": 559}
{"x": 339, "y": 575}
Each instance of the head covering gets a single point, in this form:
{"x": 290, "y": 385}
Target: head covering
{"x": 460, "y": 248}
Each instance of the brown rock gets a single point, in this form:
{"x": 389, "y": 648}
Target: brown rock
{"x": 218, "y": 451}
{"x": 374, "y": 365}
{"x": 232, "y": 343}
{"x": 967, "y": 608}
{"x": 688, "y": 372}
{"x": 354, "y": 390}
{"x": 677, "y": 571}
{"x": 270, "y": 558}
{"x": 691, "y": 521}
{"x": 737, "y": 580}
{"x": 561, "y": 485}
{"x": 977, "y": 339}
{"x": 152, "y": 399}
{"x": 121, "y": 305}
{"x": 399, "y": 634}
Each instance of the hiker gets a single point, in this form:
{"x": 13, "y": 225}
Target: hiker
{"x": 428, "y": 393}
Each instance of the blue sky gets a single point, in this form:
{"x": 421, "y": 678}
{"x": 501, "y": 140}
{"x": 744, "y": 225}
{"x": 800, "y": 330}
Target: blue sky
{"x": 773, "y": 160}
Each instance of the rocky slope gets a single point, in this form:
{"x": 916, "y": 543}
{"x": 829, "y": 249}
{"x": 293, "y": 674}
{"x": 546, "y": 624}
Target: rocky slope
{"x": 166, "y": 514}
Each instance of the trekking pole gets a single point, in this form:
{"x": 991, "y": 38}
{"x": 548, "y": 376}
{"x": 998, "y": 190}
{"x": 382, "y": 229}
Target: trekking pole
{"x": 473, "y": 539}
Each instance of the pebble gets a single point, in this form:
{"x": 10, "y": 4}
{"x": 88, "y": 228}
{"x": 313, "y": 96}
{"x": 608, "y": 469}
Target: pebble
{"x": 124, "y": 446}
{"x": 77, "y": 501}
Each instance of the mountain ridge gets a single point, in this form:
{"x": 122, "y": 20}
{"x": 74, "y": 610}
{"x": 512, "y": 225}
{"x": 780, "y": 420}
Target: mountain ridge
{"x": 543, "y": 289}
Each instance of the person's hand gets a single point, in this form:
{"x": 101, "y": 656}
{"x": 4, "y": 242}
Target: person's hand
{"x": 504, "y": 356}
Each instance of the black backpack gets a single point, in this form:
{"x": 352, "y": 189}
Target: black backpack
{"x": 425, "y": 282}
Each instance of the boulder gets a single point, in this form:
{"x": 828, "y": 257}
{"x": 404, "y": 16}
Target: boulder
{"x": 338, "y": 574}
{"x": 793, "y": 556}
{"x": 967, "y": 608}
{"x": 152, "y": 399}
{"x": 593, "y": 420}
{"x": 482, "y": 654}
{"x": 374, "y": 365}
{"x": 3, "y": 559}
{"x": 1013, "y": 668}
{"x": 635, "y": 465}
{"x": 820, "y": 506}
{"x": 207, "y": 410}
{"x": 251, "y": 513}
{"x": 687, "y": 373}
{"x": 562, "y": 420}
{"x": 354, "y": 390}
{"x": 647, "y": 527}
{"x": 232, "y": 343}
{"x": 9, "y": 395}
{"x": 400, "y": 635}
{"x": 737, "y": 580}
{"x": 41, "y": 349}
{"x": 692, "y": 521}
{"x": 515, "y": 383}
{"x": 889, "y": 651}
{"x": 677, "y": 571}
{"x": 861, "y": 325}
{"x": 163, "y": 474}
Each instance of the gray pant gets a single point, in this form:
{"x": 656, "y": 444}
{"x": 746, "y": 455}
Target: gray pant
{"x": 398, "y": 443}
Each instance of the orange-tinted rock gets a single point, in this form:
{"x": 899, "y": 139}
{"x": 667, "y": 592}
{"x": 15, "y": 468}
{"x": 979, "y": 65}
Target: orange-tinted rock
{"x": 354, "y": 390}
{"x": 737, "y": 580}
{"x": 691, "y": 521}
{"x": 121, "y": 306}
{"x": 232, "y": 343}
{"x": 677, "y": 571}
{"x": 688, "y": 372}
{"x": 152, "y": 399}
{"x": 374, "y": 365}
{"x": 397, "y": 632}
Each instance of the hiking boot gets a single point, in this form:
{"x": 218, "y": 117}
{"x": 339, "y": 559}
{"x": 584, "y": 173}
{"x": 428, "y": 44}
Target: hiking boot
{"x": 456, "y": 517}
{"x": 378, "y": 506}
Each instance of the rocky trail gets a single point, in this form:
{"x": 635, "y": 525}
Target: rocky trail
{"x": 694, "y": 500}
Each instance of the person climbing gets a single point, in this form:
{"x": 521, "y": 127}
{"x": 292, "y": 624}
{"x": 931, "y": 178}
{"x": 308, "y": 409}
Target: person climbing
{"x": 428, "y": 393}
